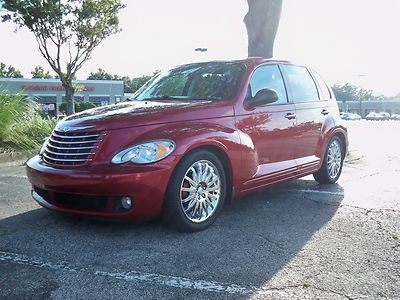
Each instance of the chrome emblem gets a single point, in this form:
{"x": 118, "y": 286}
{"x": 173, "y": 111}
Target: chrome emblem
{"x": 67, "y": 129}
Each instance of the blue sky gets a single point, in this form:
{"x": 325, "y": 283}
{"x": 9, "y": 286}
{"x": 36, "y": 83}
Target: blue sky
{"x": 342, "y": 39}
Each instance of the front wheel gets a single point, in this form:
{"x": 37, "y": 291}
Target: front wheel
{"x": 333, "y": 162}
{"x": 196, "y": 192}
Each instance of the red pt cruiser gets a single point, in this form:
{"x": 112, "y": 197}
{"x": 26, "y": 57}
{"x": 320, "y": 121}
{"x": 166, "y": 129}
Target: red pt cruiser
{"x": 190, "y": 139}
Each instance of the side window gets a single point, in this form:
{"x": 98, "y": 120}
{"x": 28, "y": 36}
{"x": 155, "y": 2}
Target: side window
{"x": 325, "y": 93}
{"x": 301, "y": 84}
{"x": 268, "y": 77}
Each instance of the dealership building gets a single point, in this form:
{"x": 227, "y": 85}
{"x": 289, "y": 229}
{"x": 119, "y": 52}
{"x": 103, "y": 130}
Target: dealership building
{"x": 49, "y": 93}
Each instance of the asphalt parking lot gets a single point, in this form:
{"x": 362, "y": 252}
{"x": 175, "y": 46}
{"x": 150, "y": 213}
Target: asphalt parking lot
{"x": 299, "y": 240}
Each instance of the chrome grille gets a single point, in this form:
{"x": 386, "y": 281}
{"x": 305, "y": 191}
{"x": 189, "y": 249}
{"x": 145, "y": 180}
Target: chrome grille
{"x": 70, "y": 148}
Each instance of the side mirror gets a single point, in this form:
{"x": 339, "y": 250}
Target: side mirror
{"x": 262, "y": 97}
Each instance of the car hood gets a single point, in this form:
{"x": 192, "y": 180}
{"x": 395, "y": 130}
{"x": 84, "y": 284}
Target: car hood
{"x": 140, "y": 113}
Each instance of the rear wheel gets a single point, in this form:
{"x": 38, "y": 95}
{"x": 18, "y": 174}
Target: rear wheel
{"x": 333, "y": 162}
{"x": 196, "y": 192}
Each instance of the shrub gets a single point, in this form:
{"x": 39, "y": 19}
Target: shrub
{"x": 21, "y": 127}
{"x": 12, "y": 108}
{"x": 29, "y": 133}
{"x": 85, "y": 105}
{"x": 79, "y": 106}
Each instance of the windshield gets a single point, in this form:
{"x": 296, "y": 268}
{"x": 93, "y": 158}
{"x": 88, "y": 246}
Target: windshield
{"x": 200, "y": 81}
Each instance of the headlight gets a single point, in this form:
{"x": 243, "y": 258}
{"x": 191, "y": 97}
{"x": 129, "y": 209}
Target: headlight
{"x": 41, "y": 151}
{"x": 145, "y": 153}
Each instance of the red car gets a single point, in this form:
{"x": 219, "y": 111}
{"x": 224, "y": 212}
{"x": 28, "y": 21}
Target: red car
{"x": 191, "y": 139}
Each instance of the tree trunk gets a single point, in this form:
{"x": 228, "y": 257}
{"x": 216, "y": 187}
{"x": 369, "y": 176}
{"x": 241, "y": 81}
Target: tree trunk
{"x": 262, "y": 22}
{"x": 69, "y": 98}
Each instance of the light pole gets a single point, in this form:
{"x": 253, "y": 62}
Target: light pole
{"x": 360, "y": 100}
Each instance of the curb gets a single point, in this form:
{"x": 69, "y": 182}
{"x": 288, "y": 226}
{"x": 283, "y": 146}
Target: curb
{"x": 353, "y": 156}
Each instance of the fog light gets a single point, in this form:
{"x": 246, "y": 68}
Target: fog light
{"x": 126, "y": 202}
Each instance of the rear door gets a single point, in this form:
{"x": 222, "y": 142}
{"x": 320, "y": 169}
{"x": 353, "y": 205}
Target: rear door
{"x": 311, "y": 112}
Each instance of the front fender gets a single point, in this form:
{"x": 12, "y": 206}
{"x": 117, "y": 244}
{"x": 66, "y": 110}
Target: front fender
{"x": 219, "y": 133}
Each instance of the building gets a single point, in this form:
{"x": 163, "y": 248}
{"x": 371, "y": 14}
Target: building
{"x": 363, "y": 108}
{"x": 49, "y": 93}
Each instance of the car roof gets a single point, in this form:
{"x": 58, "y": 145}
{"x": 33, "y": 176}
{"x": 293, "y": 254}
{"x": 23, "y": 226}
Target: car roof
{"x": 251, "y": 61}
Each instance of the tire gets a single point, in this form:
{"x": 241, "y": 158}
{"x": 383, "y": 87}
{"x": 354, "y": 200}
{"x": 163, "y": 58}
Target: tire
{"x": 193, "y": 202}
{"x": 333, "y": 163}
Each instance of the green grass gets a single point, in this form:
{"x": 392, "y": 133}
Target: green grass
{"x": 21, "y": 127}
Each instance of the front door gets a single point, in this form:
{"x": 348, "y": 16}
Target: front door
{"x": 269, "y": 130}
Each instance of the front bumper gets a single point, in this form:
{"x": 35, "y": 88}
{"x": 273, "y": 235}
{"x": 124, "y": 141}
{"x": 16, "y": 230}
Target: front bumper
{"x": 95, "y": 190}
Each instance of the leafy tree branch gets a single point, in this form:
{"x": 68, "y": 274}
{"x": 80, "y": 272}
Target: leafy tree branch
{"x": 66, "y": 31}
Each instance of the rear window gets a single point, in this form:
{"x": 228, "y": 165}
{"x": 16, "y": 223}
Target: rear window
{"x": 302, "y": 86}
{"x": 325, "y": 93}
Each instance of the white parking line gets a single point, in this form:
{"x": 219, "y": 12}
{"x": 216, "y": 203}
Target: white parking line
{"x": 179, "y": 282}
{"x": 13, "y": 176}
{"x": 316, "y": 192}
{"x": 133, "y": 276}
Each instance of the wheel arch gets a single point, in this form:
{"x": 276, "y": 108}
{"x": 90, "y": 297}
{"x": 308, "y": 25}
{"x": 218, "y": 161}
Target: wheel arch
{"x": 328, "y": 133}
{"x": 343, "y": 140}
{"x": 222, "y": 155}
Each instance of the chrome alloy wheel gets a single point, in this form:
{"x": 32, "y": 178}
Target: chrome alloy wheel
{"x": 334, "y": 160}
{"x": 200, "y": 191}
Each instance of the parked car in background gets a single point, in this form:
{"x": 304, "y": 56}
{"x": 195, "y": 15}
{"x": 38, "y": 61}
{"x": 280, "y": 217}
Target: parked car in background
{"x": 191, "y": 139}
{"x": 350, "y": 116}
{"x": 344, "y": 115}
{"x": 381, "y": 116}
{"x": 354, "y": 116}
{"x": 373, "y": 116}
{"x": 384, "y": 116}
{"x": 395, "y": 117}
{"x": 61, "y": 116}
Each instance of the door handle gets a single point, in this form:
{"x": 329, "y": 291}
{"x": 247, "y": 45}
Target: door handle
{"x": 290, "y": 116}
{"x": 325, "y": 112}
